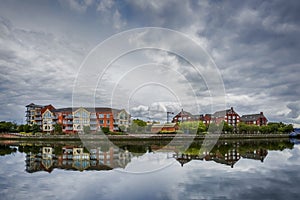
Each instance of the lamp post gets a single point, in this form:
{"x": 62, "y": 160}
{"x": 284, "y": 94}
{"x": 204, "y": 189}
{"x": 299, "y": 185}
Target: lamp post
{"x": 168, "y": 114}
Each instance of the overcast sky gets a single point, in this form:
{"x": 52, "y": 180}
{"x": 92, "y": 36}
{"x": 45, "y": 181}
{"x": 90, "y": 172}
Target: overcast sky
{"x": 254, "y": 45}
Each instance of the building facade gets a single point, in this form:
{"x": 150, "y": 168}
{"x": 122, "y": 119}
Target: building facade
{"x": 255, "y": 119}
{"x": 229, "y": 116}
{"x": 73, "y": 120}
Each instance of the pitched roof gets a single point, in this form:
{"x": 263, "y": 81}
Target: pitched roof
{"x": 252, "y": 117}
{"x": 223, "y": 113}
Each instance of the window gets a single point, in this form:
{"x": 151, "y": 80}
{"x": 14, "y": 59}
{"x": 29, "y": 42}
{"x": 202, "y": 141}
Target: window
{"x": 85, "y": 115}
{"x": 101, "y": 121}
{"x": 101, "y": 116}
{"x": 108, "y": 115}
{"x": 108, "y": 122}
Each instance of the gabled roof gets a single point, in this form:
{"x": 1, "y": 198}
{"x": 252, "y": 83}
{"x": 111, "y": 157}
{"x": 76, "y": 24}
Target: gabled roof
{"x": 223, "y": 113}
{"x": 50, "y": 107}
{"x": 252, "y": 117}
{"x": 184, "y": 113}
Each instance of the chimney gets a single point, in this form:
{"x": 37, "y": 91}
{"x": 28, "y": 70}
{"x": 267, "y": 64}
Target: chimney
{"x": 261, "y": 113}
{"x": 231, "y": 108}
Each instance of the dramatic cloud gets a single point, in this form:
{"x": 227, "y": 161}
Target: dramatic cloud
{"x": 254, "y": 44}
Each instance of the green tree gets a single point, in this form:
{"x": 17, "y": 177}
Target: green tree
{"x": 86, "y": 129}
{"x": 227, "y": 128}
{"x": 57, "y": 129}
{"x": 139, "y": 122}
{"x": 242, "y": 128}
{"x": 264, "y": 129}
{"x": 26, "y": 128}
{"x": 21, "y": 128}
{"x": 202, "y": 128}
{"x": 35, "y": 128}
{"x": 138, "y": 126}
{"x": 7, "y": 126}
{"x": 105, "y": 130}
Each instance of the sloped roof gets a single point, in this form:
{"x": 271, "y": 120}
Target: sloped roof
{"x": 223, "y": 113}
{"x": 251, "y": 117}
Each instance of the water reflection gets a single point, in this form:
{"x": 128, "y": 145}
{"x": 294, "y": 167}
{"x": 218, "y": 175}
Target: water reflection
{"x": 203, "y": 176}
{"x": 224, "y": 155}
{"x": 75, "y": 158}
{"x": 47, "y": 157}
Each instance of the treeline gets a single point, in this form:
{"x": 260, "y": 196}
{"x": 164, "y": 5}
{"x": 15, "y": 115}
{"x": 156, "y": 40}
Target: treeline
{"x": 242, "y": 128}
{"x": 10, "y": 127}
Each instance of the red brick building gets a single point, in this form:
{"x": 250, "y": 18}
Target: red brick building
{"x": 229, "y": 116}
{"x": 256, "y": 119}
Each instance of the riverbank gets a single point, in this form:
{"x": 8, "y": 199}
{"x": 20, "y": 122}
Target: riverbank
{"x": 141, "y": 137}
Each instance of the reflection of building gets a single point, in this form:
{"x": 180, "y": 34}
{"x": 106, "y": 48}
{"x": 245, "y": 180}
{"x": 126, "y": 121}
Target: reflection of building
{"x": 228, "y": 156}
{"x": 258, "y": 154}
{"x": 74, "y": 158}
{"x": 256, "y": 119}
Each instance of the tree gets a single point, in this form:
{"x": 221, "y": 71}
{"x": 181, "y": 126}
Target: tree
{"x": 140, "y": 122}
{"x": 138, "y": 126}
{"x": 26, "y": 128}
{"x": 227, "y": 128}
{"x": 57, "y": 129}
{"x": 35, "y": 128}
{"x": 21, "y": 128}
{"x": 105, "y": 130}
{"x": 7, "y": 126}
{"x": 201, "y": 128}
{"x": 86, "y": 129}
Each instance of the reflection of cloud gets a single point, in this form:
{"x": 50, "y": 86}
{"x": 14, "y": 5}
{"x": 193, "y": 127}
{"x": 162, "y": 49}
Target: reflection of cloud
{"x": 276, "y": 178}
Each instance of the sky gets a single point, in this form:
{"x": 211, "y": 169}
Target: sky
{"x": 49, "y": 51}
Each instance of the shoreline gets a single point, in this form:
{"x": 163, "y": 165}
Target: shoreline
{"x": 143, "y": 137}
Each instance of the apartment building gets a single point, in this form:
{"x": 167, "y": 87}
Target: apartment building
{"x": 74, "y": 120}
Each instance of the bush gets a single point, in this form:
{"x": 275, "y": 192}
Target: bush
{"x": 105, "y": 130}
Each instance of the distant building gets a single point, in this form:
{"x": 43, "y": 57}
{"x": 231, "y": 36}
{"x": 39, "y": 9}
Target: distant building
{"x": 256, "y": 119}
{"x": 229, "y": 116}
{"x": 206, "y": 119}
{"x": 184, "y": 116}
{"x": 168, "y": 127}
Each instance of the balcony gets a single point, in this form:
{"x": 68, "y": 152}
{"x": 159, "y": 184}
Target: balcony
{"x": 67, "y": 122}
{"x": 69, "y": 117}
{"x": 69, "y": 128}
{"x": 93, "y": 122}
{"x": 93, "y": 117}
{"x": 38, "y": 118}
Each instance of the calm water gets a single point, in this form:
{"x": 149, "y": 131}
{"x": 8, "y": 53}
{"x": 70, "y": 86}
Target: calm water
{"x": 245, "y": 169}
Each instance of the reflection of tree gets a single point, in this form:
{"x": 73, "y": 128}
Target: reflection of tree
{"x": 229, "y": 152}
{"x": 6, "y": 150}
